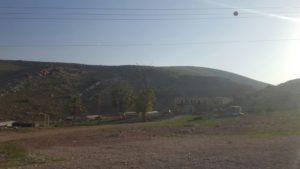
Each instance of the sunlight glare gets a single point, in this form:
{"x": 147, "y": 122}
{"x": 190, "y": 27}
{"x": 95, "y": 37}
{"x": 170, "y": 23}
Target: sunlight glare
{"x": 292, "y": 57}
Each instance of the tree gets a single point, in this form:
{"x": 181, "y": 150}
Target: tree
{"x": 76, "y": 106}
{"x": 96, "y": 103}
{"x": 144, "y": 102}
{"x": 122, "y": 97}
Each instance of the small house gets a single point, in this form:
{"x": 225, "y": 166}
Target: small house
{"x": 6, "y": 124}
{"x": 234, "y": 111}
{"x": 93, "y": 117}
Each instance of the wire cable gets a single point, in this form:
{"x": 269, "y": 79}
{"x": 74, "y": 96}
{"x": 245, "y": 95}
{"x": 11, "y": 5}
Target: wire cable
{"x": 136, "y": 14}
{"x": 151, "y": 44}
{"x": 136, "y": 9}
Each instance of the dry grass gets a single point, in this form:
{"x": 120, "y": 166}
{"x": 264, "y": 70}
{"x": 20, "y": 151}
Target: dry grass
{"x": 239, "y": 138}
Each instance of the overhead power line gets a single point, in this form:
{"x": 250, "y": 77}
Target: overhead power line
{"x": 138, "y": 9}
{"x": 136, "y": 14}
{"x": 151, "y": 44}
{"x": 124, "y": 19}
{"x": 83, "y": 16}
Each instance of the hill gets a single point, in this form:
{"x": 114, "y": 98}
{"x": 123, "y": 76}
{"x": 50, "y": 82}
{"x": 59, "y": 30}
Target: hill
{"x": 207, "y": 72}
{"x": 282, "y": 97}
{"x": 48, "y": 87}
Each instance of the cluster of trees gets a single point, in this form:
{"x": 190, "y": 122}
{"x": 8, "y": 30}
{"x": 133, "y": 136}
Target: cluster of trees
{"x": 124, "y": 99}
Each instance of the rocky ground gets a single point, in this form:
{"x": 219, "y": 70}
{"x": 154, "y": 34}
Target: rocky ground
{"x": 226, "y": 144}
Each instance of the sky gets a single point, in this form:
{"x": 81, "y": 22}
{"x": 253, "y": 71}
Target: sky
{"x": 261, "y": 43}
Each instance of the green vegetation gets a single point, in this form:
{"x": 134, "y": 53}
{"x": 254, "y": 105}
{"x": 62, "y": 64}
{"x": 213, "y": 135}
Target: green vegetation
{"x": 122, "y": 97}
{"x": 181, "y": 121}
{"x": 12, "y": 155}
{"x": 48, "y": 87}
{"x": 76, "y": 107}
{"x": 8, "y": 67}
{"x": 12, "y": 151}
{"x": 200, "y": 71}
{"x": 274, "y": 98}
{"x": 186, "y": 120}
{"x": 144, "y": 102}
{"x": 273, "y": 124}
{"x": 264, "y": 134}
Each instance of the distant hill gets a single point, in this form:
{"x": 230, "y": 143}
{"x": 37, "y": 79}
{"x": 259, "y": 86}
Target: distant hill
{"x": 273, "y": 98}
{"x": 200, "y": 71}
{"x": 48, "y": 87}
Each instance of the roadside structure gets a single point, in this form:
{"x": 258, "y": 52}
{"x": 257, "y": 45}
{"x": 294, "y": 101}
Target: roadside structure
{"x": 7, "y": 124}
{"x": 93, "y": 117}
{"x": 200, "y": 104}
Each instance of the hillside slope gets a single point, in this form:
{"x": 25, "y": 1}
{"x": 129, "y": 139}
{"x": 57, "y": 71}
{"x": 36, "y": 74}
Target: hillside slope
{"x": 48, "y": 87}
{"x": 200, "y": 71}
{"x": 282, "y": 97}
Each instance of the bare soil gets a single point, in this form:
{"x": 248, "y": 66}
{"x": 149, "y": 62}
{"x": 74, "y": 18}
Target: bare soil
{"x": 182, "y": 147}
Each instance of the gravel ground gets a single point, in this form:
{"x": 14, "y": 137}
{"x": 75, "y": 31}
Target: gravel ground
{"x": 178, "y": 153}
{"x": 130, "y": 147}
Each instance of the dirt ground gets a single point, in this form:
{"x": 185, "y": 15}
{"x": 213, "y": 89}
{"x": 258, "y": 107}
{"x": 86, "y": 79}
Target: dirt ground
{"x": 182, "y": 147}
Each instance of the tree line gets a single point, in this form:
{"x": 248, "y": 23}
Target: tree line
{"x": 123, "y": 99}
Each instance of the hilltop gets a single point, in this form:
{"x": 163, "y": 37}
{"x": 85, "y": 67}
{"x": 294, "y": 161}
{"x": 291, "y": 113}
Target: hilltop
{"x": 208, "y": 72}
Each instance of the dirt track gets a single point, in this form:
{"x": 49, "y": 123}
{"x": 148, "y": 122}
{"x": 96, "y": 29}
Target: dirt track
{"x": 130, "y": 148}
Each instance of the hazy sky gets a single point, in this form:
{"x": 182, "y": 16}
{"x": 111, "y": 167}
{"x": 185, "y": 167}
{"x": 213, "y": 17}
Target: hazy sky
{"x": 263, "y": 42}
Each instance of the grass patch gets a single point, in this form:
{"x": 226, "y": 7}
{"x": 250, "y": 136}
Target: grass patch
{"x": 210, "y": 122}
{"x": 12, "y": 155}
{"x": 112, "y": 135}
{"x": 170, "y": 122}
{"x": 276, "y": 124}
{"x": 8, "y": 67}
{"x": 77, "y": 124}
{"x": 187, "y": 120}
{"x": 274, "y": 133}
{"x": 12, "y": 151}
